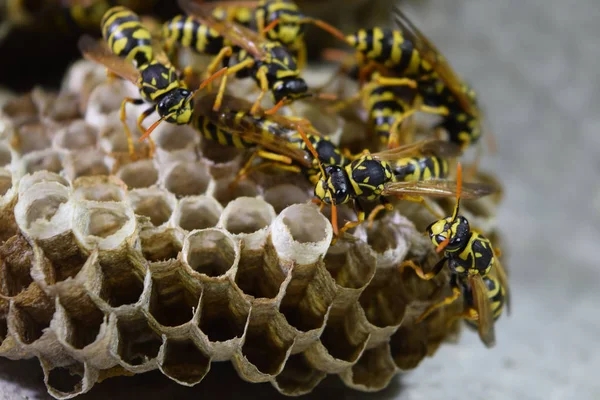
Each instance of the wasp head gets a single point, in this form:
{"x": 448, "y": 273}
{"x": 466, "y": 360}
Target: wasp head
{"x": 334, "y": 187}
{"x": 292, "y": 88}
{"x": 177, "y": 104}
{"x": 457, "y": 230}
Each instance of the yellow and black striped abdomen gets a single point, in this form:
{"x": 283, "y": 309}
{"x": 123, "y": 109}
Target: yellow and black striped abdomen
{"x": 188, "y": 32}
{"x": 385, "y": 107}
{"x": 156, "y": 80}
{"x": 212, "y": 132}
{"x": 391, "y": 49}
{"x": 126, "y": 36}
{"x": 420, "y": 168}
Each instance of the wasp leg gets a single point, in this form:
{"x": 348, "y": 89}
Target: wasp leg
{"x": 264, "y": 88}
{"x": 471, "y": 314}
{"x": 301, "y": 54}
{"x": 123, "y": 117}
{"x": 426, "y": 276}
{"x": 421, "y": 200}
{"x": 385, "y": 205}
{"x": 141, "y": 128}
{"x": 448, "y": 300}
{"x": 395, "y": 131}
{"x": 360, "y": 217}
{"x": 382, "y": 80}
{"x": 225, "y": 52}
{"x": 282, "y": 162}
{"x": 230, "y": 71}
{"x": 440, "y": 110}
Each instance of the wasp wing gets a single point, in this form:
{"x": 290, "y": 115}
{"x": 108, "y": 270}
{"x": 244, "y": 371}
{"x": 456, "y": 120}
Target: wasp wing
{"x": 438, "y": 147}
{"x": 97, "y": 51}
{"x": 237, "y": 34}
{"x": 503, "y": 278}
{"x": 430, "y": 53}
{"x": 485, "y": 321}
{"x": 437, "y": 188}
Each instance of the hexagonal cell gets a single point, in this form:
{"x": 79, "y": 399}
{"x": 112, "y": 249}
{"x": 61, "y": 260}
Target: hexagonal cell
{"x": 46, "y": 204}
{"x": 57, "y": 107}
{"x": 64, "y": 382}
{"x": 43, "y": 160}
{"x": 351, "y": 264}
{"x": 186, "y": 179}
{"x": 112, "y": 136}
{"x": 343, "y": 339}
{"x": 107, "y": 225}
{"x": 15, "y": 264}
{"x": 86, "y": 163}
{"x": 408, "y": 347}
{"x": 32, "y": 137}
{"x": 225, "y": 192}
{"x": 224, "y": 312}
{"x": 99, "y": 188}
{"x": 41, "y": 177}
{"x": 266, "y": 347}
{"x": 381, "y": 302}
{"x": 282, "y": 196}
{"x": 154, "y": 203}
{"x": 65, "y": 256}
{"x": 76, "y": 136}
{"x": 139, "y": 174}
{"x": 105, "y": 101}
{"x": 197, "y": 212}
{"x": 218, "y": 154}
{"x": 82, "y": 318}
{"x": 247, "y": 215}
{"x": 31, "y": 313}
{"x": 255, "y": 279}
{"x": 170, "y": 137}
{"x": 5, "y": 155}
{"x": 20, "y": 109}
{"x": 211, "y": 252}
{"x": 373, "y": 371}
{"x": 161, "y": 246}
{"x": 121, "y": 284}
{"x": 184, "y": 362}
{"x": 173, "y": 300}
{"x": 138, "y": 344}
{"x": 298, "y": 377}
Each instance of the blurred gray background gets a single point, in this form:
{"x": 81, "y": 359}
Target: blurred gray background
{"x": 534, "y": 64}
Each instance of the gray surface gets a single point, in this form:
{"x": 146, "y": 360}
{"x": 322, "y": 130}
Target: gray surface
{"x": 534, "y": 64}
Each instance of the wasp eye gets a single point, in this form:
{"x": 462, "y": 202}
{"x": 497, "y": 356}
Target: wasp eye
{"x": 440, "y": 238}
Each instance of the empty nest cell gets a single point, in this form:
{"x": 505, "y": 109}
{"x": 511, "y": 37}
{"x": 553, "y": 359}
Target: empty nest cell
{"x": 83, "y": 319}
{"x": 161, "y": 246}
{"x": 298, "y": 377}
{"x": 138, "y": 174}
{"x": 32, "y": 137}
{"x": 138, "y": 343}
{"x": 224, "y": 312}
{"x": 156, "y": 204}
{"x": 266, "y": 347}
{"x": 76, "y": 136}
{"x": 31, "y": 313}
{"x": 120, "y": 280}
{"x": 373, "y": 371}
{"x": 99, "y": 188}
{"x": 184, "y": 362}
{"x": 16, "y": 256}
{"x": 63, "y": 382}
{"x": 246, "y": 215}
{"x": 211, "y": 252}
{"x": 173, "y": 300}
{"x": 187, "y": 178}
{"x": 198, "y": 212}
{"x": 43, "y": 160}
{"x": 5, "y": 155}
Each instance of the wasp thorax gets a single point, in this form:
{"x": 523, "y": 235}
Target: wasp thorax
{"x": 176, "y": 104}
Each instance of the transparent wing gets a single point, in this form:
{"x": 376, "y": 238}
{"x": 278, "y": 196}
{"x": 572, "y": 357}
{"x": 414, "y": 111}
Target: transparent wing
{"x": 438, "y": 188}
{"x": 238, "y": 35}
{"x": 97, "y": 51}
{"x": 430, "y": 53}
{"x": 503, "y": 278}
{"x": 485, "y": 322}
{"x": 438, "y": 147}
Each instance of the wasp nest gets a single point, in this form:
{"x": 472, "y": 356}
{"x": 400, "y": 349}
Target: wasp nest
{"x": 111, "y": 267}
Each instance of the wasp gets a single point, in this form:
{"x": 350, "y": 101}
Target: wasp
{"x": 278, "y": 20}
{"x": 269, "y": 63}
{"x": 158, "y": 81}
{"x": 470, "y": 258}
{"x": 394, "y": 172}
{"x": 407, "y": 52}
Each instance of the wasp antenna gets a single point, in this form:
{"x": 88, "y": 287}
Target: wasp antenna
{"x": 326, "y": 27}
{"x": 312, "y": 150}
{"x": 443, "y": 245}
{"x": 154, "y": 126}
{"x": 458, "y": 190}
{"x": 276, "y": 107}
{"x": 208, "y": 80}
{"x": 271, "y": 26}
{"x": 334, "y": 221}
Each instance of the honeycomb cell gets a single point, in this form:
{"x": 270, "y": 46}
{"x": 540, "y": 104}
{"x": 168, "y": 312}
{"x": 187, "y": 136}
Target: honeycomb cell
{"x": 154, "y": 203}
{"x": 30, "y": 314}
{"x": 15, "y": 264}
{"x": 211, "y": 252}
{"x": 223, "y": 161}
{"x": 390, "y": 238}
{"x": 162, "y": 245}
{"x": 174, "y": 296}
{"x": 373, "y": 371}
{"x": 184, "y": 362}
{"x": 105, "y": 101}
{"x": 39, "y": 177}
{"x": 76, "y": 136}
{"x": 188, "y": 179}
{"x": 32, "y": 137}
{"x": 139, "y": 174}
{"x": 247, "y": 215}
{"x": 282, "y": 196}
{"x": 106, "y": 225}
{"x": 197, "y": 212}
{"x": 44, "y": 212}
{"x": 408, "y": 347}
{"x": 298, "y": 242}
{"x": 63, "y": 382}
{"x": 172, "y": 138}
{"x": 224, "y": 313}
{"x": 80, "y": 318}
{"x": 86, "y": 163}
{"x": 384, "y": 306}
{"x": 138, "y": 344}
{"x": 226, "y": 191}
{"x": 43, "y": 160}
{"x": 99, "y": 188}
{"x": 298, "y": 377}
{"x": 112, "y": 138}
{"x": 20, "y": 109}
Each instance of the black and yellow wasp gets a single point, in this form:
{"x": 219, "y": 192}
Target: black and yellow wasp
{"x": 276, "y": 136}
{"x": 128, "y": 42}
{"x": 406, "y": 52}
{"x": 476, "y": 271}
{"x": 408, "y": 172}
{"x": 269, "y": 63}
